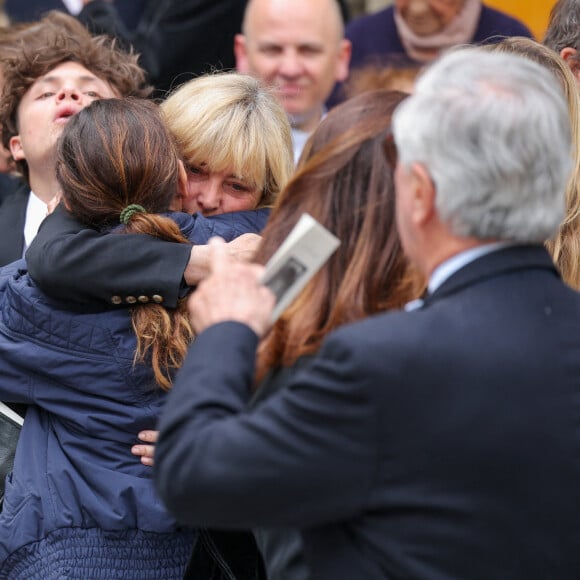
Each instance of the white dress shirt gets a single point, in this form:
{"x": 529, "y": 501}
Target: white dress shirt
{"x": 73, "y": 6}
{"x": 36, "y": 211}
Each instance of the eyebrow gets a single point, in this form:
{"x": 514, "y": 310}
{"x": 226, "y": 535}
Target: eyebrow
{"x": 204, "y": 166}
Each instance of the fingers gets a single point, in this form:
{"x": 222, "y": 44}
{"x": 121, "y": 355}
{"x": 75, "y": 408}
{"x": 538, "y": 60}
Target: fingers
{"x": 149, "y": 436}
{"x": 146, "y": 452}
{"x": 218, "y": 257}
{"x": 244, "y": 247}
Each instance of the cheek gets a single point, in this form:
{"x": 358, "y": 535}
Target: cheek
{"x": 241, "y": 203}
{"x": 189, "y": 198}
{"x": 176, "y": 203}
{"x": 264, "y": 67}
{"x": 446, "y": 11}
{"x": 327, "y": 71}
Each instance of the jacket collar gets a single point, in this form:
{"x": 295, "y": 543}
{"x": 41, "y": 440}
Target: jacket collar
{"x": 504, "y": 260}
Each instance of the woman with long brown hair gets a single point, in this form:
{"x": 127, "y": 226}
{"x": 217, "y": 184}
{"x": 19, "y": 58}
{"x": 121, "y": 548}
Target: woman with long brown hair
{"x": 345, "y": 181}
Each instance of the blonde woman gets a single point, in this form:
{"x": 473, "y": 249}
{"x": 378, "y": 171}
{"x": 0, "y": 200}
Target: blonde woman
{"x": 565, "y": 246}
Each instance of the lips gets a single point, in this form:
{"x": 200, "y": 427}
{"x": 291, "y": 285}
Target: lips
{"x": 290, "y": 90}
{"x": 64, "y": 113}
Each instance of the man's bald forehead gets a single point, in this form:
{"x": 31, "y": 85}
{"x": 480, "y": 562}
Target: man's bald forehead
{"x": 254, "y": 6}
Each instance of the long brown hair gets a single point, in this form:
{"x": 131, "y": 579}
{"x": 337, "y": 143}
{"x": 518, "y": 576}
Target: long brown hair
{"x": 345, "y": 181}
{"x": 112, "y": 154}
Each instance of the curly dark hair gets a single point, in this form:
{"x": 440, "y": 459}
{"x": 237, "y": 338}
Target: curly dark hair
{"x": 38, "y": 48}
{"x": 564, "y": 26}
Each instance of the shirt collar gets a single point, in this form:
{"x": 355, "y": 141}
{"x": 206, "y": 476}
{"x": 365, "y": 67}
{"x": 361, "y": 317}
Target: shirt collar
{"x": 447, "y": 268}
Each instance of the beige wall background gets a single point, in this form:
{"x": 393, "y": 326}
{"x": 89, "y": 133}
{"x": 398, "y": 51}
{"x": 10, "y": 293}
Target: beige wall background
{"x": 534, "y": 13}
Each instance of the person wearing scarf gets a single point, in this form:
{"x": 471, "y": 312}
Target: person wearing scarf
{"x": 410, "y": 33}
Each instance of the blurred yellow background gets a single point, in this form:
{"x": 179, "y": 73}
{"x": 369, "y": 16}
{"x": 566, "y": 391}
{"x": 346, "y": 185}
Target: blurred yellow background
{"x": 533, "y": 13}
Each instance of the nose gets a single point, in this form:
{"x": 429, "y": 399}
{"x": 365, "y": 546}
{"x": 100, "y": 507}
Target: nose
{"x": 290, "y": 64}
{"x": 69, "y": 92}
{"x": 209, "y": 196}
{"x": 418, "y": 7}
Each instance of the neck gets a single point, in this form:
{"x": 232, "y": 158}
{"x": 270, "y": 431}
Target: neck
{"x": 44, "y": 184}
{"x": 306, "y": 122}
{"x": 459, "y": 31}
{"x": 444, "y": 250}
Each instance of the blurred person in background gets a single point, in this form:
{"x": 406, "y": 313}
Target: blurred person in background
{"x": 298, "y": 48}
{"x": 415, "y": 32}
{"x": 565, "y": 246}
{"x": 563, "y": 33}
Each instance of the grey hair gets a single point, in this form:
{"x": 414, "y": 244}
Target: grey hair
{"x": 493, "y": 132}
{"x": 564, "y": 26}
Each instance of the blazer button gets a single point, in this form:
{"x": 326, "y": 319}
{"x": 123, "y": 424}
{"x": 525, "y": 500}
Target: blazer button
{"x": 143, "y": 299}
{"x": 116, "y": 300}
{"x": 157, "y": 299}
{"x": 130, "y": 300}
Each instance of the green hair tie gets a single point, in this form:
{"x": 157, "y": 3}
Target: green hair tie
{"x": 130, "y": 211}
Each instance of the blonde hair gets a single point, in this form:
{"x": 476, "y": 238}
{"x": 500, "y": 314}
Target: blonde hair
{"x": 565, "y": 246}
{"x": 229, "y": 122}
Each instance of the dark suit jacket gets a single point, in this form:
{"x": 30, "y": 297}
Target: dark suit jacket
{"x": 130, "y": 11}
{"x": 70, "y": 262}
{"x": 435, "y": 444}
{"x": 177, "y": 39}
{"x": 12, "y": 218}
{"x": 83, "y": 259}
{"x": 8, "y": 185}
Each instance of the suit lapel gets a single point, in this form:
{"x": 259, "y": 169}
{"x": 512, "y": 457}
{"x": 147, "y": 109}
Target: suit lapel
{"x": 12, "y": 218}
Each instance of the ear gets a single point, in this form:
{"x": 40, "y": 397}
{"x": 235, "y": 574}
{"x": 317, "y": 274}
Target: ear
{"x": 343, "y": 62}
{"x": 570, "y": 55}
{"x": 16, "y": 148}
{"x": 241, "y": 54}
{"x": 423, "y": 203}
{"x": 181, "y": 179}
{"x": 176, "y": 204}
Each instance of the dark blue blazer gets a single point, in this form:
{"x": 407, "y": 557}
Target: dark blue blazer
{"x": 70, "y": 262}
{"x": 436, "y": 444}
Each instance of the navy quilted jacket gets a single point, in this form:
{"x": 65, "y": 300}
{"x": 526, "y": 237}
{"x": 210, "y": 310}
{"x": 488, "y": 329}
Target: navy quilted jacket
{"x": 78, "y": 504}
{"x": 76, "y": 489}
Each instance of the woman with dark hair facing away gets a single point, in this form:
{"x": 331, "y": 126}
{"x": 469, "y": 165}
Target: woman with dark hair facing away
{"x": 345, "y": 181}
{"x": 78, "y": 504}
